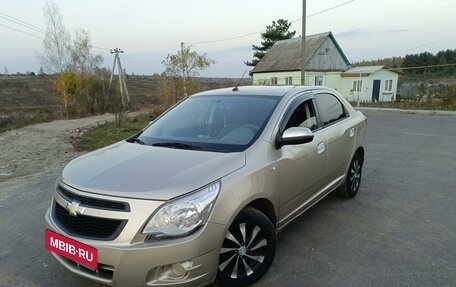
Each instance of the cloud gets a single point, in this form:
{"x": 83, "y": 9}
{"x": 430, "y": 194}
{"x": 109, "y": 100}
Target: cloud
{"x": 352, "y": 33}
{"x": 366, "y": 33}
{"x": 397, "y": 31}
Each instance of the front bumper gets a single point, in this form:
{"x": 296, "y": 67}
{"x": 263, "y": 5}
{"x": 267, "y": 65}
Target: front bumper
{"x": 129, "y": 260}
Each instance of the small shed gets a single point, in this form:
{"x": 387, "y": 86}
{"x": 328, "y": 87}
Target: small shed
{"x": 369, "y": 84}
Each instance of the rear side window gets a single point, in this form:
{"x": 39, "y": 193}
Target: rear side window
{"x": 331, "y": 108}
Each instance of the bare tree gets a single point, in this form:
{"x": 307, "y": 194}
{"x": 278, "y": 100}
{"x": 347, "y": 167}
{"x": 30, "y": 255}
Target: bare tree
{"x": 56, "y": 43}
{"x": 82, "y": 60}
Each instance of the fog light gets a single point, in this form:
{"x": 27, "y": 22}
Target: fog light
{"x": 176, "y": 271}
{"x": 172, "y": 272}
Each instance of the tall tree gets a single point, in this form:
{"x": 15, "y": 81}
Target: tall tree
{"x": 277, "y": 31}
{"x": 56, "y": 43}
{"x": 78, "y": 83}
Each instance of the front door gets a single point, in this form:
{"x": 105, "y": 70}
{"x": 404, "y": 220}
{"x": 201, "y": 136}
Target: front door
{"x": 300, "y": 169}
{"x": 376, "y": 91}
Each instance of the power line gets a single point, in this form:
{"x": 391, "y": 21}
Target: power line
{"x": 33, "y": 27}
{"x": 258, "y": 32}
{"x": 99, "y": 48}
{"x": 224, "y": 39}
{"x": 422, "y": 67}
{"x": 21, "y": 22}
{"x": 26, "y": 33}
{"x": 326, "y": 10}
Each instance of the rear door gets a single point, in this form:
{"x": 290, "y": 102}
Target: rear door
{"x": 340, "y": 132}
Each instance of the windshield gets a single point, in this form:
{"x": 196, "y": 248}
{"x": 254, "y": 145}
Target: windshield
{"x": 212, "y": 123}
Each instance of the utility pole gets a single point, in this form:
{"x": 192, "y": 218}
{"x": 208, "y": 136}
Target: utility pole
{"x": 122, "y": 83}
{"x": 303, "y": 43}
{"x": 184, "y": 63}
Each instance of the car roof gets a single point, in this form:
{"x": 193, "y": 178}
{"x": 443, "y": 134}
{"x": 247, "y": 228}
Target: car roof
{"x": 278, "y": 91}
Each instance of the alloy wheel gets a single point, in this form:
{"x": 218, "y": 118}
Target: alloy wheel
{"x": 243, "y": 251}
{"x": 355, "y": 175}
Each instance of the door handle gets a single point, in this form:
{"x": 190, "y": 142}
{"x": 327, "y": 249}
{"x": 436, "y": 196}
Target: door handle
{"x": 321, "y": 147}
{"x": 352, "y": 132}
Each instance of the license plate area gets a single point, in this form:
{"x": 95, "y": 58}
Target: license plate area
{"x": 72, "y": 249}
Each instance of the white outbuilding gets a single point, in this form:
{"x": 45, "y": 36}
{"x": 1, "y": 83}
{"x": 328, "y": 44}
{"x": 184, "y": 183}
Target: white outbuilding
{"x": 369, "y": 84}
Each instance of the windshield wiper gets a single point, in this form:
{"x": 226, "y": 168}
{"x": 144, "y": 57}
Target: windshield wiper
{"x": 137, "y": 140}
{"x": 176, "y": 145}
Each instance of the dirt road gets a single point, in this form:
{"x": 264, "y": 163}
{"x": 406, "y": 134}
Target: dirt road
{"x": 29, "y": 151}
{"x": 31, "y": 160}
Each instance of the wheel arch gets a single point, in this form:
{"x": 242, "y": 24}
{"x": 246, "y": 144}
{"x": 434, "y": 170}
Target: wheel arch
{"x": 360, "y": 151}
{"x": 266, "y": 207}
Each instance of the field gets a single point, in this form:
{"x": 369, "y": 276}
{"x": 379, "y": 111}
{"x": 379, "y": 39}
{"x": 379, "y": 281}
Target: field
{"x": 26, "y": 100}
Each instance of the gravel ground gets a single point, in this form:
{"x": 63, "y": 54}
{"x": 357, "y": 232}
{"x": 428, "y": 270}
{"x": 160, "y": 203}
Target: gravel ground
{"x": 27, "y": 152}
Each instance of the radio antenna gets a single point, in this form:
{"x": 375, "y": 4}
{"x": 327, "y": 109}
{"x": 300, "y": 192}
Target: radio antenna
{"x": 235, "y": 89}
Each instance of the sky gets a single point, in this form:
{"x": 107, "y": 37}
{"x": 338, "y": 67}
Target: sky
{"x": 148, "y": 30}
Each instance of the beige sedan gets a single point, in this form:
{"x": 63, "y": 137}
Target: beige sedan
{"x": 199, "y": 195}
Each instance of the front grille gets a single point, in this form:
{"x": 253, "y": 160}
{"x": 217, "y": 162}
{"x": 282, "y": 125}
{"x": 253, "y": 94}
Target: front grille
{"x": 93, "y": 202}
{"x": 88, "y": 226}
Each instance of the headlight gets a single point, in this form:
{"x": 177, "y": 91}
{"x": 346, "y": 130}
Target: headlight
{"x": 182, "y": 216}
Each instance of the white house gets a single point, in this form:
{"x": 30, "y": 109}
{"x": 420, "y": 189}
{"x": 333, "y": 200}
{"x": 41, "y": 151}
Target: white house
{"x": 282, "y": 64}
{"x": 326, "y": 65}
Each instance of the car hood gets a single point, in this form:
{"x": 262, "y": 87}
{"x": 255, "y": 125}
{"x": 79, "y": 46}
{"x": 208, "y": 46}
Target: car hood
{"x": 140, "y": 171}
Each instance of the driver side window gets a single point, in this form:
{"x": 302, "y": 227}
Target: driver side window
{"x": 303, "y": 116}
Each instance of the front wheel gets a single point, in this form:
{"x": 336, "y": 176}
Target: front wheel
{"x": 248, "y": 249}
{"x": 353, "y": 179}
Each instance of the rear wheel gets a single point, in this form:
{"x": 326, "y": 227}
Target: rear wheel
{"x": 353, "y": 179}
{"x": 248, "y": 249}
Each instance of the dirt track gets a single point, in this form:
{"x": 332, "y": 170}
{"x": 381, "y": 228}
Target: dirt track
{"x": 29, "y": 151}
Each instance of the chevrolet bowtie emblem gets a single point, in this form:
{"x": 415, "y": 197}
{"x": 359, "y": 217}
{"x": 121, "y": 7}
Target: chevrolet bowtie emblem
{"x": 74, "y": 209}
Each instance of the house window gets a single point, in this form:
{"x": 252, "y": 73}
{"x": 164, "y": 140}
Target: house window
{"x": 288, "y": 80}
{"x": 388, "y": 85}
{"x": 318, "y": 80}
{"x": 273, "y": 80}
{"x": 357, "y": 86}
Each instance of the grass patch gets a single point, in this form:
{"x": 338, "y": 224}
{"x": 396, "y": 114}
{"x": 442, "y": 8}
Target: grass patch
{"x": 108, "y": 133}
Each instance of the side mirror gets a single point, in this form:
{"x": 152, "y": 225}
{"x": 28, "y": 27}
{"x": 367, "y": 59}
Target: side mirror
{"x": 293, "y": 136}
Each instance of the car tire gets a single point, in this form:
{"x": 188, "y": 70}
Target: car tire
{"x": 353, "y": 179}
{"x": 248, "y": 249}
